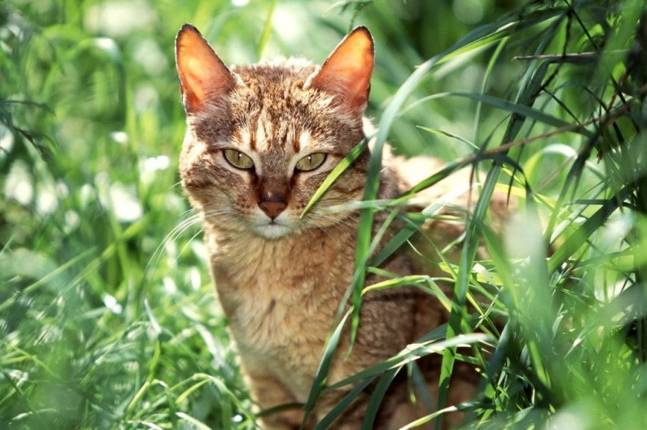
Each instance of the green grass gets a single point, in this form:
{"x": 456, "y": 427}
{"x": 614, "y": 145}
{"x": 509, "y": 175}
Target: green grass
{"x": 107, "y": 316}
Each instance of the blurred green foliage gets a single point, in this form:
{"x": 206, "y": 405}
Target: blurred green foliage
{"x": 107, "y": 317}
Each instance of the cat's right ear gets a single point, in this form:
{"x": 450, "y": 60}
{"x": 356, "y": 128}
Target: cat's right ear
{"x": 347, "y": 70}
{"x": 203, "y": 76}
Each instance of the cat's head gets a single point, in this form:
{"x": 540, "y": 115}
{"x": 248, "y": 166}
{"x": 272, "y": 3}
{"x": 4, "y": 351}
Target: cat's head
{"x": 262, "y": 138}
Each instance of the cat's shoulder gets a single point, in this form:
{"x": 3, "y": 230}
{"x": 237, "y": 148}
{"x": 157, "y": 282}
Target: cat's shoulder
{"x": 400, "y": 173}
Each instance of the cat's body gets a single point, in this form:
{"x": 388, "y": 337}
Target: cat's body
{"x": 280, "y": 278}
{"x": 280, "y": 330}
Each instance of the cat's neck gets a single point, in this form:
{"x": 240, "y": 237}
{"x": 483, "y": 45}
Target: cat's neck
{"x": 243, "y": 257}
{"x": 246, "y": 246}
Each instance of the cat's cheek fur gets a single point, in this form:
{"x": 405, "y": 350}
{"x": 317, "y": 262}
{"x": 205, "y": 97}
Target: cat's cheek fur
{"x": 220, "y": 194}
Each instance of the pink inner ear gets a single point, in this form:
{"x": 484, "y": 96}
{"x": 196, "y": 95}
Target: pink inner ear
{"x": 347, "y": 71}
{"x": 202, "y": 74}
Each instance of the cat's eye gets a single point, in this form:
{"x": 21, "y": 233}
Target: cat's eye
{"x": 310, "y": 162}
{"x": 238, "y": 159}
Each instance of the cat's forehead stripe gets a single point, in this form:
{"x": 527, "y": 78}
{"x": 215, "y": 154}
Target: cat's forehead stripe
{"x": 252, "y": 138}
{"x": 262, "y": 134}
{"x": 245, "y": 138}
{"x": 296, "y": 144}
{"x": 304, "y": 142}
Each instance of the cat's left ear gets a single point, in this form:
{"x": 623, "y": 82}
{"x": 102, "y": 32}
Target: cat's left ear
{"x": 347, "y": 70}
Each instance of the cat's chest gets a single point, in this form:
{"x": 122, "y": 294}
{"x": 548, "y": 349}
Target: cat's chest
{"x": 281, "y": 297}
{"x": 277, "y": 303}
{"x": 281, "y": 314}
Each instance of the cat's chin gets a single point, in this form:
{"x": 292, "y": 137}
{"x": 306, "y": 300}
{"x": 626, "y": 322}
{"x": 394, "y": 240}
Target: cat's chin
{"x": 272, "y": 231}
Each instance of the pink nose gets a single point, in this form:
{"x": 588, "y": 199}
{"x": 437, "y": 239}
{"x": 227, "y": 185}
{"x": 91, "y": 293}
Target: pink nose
{"x": 272, "y": 209}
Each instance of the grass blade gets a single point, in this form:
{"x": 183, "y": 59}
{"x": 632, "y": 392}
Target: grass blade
{"x": 324, "y": 366}
{"x": 335, "y": 173}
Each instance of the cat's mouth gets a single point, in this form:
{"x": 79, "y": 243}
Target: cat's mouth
{"x": 272, "y": 230}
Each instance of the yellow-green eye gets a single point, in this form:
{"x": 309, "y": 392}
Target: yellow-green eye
{"x": 238, "y": 159}
{"x": 310, "y": 162}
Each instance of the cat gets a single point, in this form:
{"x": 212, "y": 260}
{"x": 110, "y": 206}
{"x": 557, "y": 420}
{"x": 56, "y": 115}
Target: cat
{"x": 260, "y": 140}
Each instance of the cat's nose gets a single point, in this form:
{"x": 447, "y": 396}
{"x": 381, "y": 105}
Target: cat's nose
{"x": 272, "y": 208}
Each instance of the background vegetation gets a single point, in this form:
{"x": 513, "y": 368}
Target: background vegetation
{"x": 107, "y": 317}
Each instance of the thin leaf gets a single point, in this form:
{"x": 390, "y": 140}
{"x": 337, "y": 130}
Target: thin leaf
{"x": 375, "y": 400}
{"x": 319, "y": 380}
{"x": 335, "y": 173}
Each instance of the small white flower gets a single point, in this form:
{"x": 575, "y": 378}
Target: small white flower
{"x": 150, "y": 165}
{"x": 46, "y": 200}
{"x": 18, "y": 185}
{"x": 118, "y": 18}
{"x": 71, "y": 220}
{"x": 121, "y": 137}
{"x": 169, "y": 285}
{"x": 125, "y": 204}
{"x": 6, "y": 141}
{"x": 112, "y": 304}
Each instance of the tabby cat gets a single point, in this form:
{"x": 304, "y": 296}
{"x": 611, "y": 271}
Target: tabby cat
{"x": 260, "y": 140}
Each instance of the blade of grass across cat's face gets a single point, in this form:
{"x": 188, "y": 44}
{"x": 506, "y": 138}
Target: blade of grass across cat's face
{"x": 335, "y": 173}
